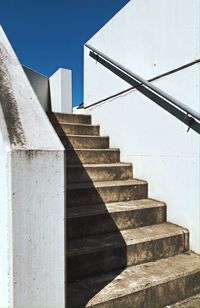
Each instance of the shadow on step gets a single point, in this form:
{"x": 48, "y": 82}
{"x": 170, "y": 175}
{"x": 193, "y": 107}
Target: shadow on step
{"x": 89, "y": 232}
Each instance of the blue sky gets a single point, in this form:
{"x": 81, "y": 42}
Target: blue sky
{"x": 48, "y": 34}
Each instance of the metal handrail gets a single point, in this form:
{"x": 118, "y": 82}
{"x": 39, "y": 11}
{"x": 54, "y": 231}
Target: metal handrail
{"x": 142, "y": 81}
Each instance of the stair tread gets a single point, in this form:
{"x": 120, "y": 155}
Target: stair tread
{"x": 115, "y": 207}
{"x": 71, "y": 114}
{"x": 77, "y": 124}
{"x": 87, "y": 136}
{"x": 69, "y": 117}
{"x": 96, "y": 243}
{"x": 94, "y": 150}
{"x": 121, "y": 164}
{"x": 132, "y": 280}
{"x": 106, "y": 184}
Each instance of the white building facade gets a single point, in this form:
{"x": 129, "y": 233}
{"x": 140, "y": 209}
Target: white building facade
{"x": 151, "y": 38}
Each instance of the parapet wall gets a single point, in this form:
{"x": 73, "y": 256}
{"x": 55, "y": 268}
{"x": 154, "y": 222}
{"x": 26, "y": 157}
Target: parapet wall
{"x": 32, "y": 202}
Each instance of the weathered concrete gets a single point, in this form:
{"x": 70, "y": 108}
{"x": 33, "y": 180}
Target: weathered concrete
{"x": 85, "y": 142}
{"x": 151, "y": 285}
{"x": 38, "y": 228}
{"x": 5, "y": 218}
{"x": 9, "y": 104}
{"x": 80, "y": 129}
{"x": 32, "y": 203}
{"x": 103, "y": 218}
{"x": 112, "y": 191}
{"x": 93, "y": 156}
{"x": 71, "y": 118}
{"x": 104, "y": 253}
{"x": 99, "y": 172}
{"x": 112, "y": 225}
{"x": 191, "y": 302}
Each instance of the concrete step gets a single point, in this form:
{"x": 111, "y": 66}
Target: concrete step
{"x": 99, "y": 254}
{"x": 99, "y": 172}
{"x": 70, "y": 118}
{"x": 191, "y": 302}
{"x": 106, "y": 192}
{"x": 80, "y": 129}
{"x": 85, "y": 142}
{"x": 151, "y": 285}
{"x": 104, "y": 218}
{"x": 93, "y": 156}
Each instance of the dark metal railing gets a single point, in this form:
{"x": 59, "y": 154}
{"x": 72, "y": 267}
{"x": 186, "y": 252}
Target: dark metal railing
{"x": 191, "y": 116}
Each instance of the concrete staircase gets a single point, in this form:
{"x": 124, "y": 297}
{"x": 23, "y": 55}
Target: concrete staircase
{"x": 121, "y": 251}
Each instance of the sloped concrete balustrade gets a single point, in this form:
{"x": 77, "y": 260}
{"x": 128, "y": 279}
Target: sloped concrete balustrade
{"x": 32, "y": 215}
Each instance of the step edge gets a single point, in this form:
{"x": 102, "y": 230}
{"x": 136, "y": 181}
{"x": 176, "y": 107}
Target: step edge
{"x": 153, "y": 238}
{"x": 78, "y": 124}
{"x": 109, "y": 165}
{"x": 104, "y": 184}
{"x": 152, "y": 283}
{"x": 86, "y": 136}
{"x": 71, "y": 114}
{"x": 107, "y": 149}
{"x": 77, "y": 208}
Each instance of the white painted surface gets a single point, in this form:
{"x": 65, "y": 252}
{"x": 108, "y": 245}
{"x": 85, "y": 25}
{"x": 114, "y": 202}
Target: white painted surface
{"x": 162, "y": 152}
{"x": 32, "y": 203}
{"x": 152, "y": 37}
{"x": 5, "y": 230}
{"x": 38, "y": 228}
{"x": 40, "y": 85}
{"x": 61, "y": 91}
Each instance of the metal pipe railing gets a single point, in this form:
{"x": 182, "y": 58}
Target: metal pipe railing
{"x": 142, "y": 81}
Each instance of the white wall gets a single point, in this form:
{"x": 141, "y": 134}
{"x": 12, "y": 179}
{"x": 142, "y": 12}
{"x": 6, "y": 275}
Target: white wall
{"x": 149, "y": 37}
{"x": 40, "y": 85}
{"x": 5, "y": 230}
{"x": 54, "y": 93}
{"x": 152, "y": 37}
{"x": 38, "y": 228}
{"x": 32, "y": 195}
{"x": 61, "y": 91}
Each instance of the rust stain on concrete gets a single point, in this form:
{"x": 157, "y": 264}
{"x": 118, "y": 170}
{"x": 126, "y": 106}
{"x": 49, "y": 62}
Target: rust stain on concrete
{"x": 9, "y": 104}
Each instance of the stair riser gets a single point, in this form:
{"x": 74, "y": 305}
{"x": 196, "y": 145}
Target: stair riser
{"x": 91, "y": 264}
{"x": 92, "y": 157}
{"x": 72, "y": 118}
{"x": 72, "y": 142}
{"x": 95, "y": 174}
{"x": 80, "y": 130}
{"x": 101, "y": 195}
{"x": 158, "y": 296}
{"x": 104, "y": 223}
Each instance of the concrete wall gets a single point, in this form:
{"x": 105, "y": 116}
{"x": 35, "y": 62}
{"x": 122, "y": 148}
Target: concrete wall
{"x": 5, "y": 221}
{"x": 40, "y": 85}
{"x": 149, "y": 37}
{"x": 61, "y": 91}
{"x": 54, "y": 93}
{"x": 32, "y": 203}
{"x": 152, "y": 37}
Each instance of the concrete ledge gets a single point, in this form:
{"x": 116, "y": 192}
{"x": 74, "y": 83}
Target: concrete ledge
{"x": 32, "y": 203}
